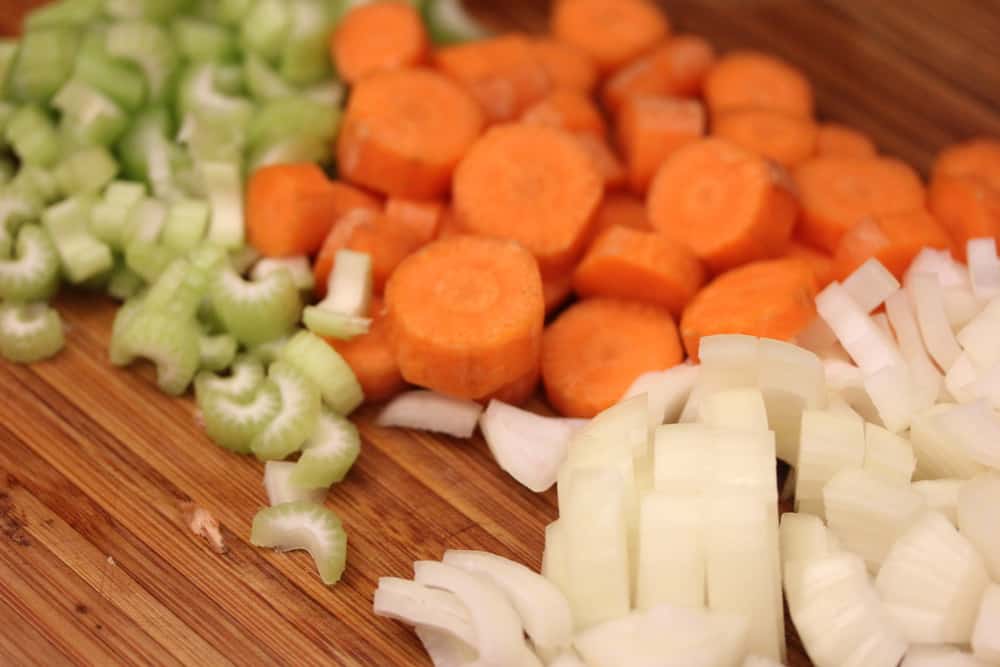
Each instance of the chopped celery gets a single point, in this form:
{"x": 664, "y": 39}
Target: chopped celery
{"x": 124, "y": 283}
{"x": 18, "y": 206}
{"x": 29, "y": 332}
{"x": 265, "y": 28}
{"x": 197, "y": 93}
{"x": 87, "y": 115}
{"x": 330, "y": 93}
{"x": 280, "y": 488}
{"x": 324, "y": 366}
{"x": 329, "y": 323}
{"x": 229, "y": 79}
{"x": 243, "y": 258}
{"x": 245, "y": 376}
{"x": 256, "y": 312}
{"x": 217, "y": 352}
{"x": 303, "y": 525}
{"x": 233, "y": 422}
{"x": 268, "y": 352}
{"x": 32, "y": 135}
{"x": 44, "y": 61}
{"x": 33, "y": 273}
{"x": 350, "y": 284}
{"x": 148, "y": 45}
{"x": 305, "y": 58}
{"x": 6, "y": 113}
{"x": 210, "y": 138}
{"x": 168, "y": 341}
{"x": 448, "y": 22}
{"x": 300, "y": 409}
{"x": 148, "y": 154}
{"x": 144, "y": 222}
{"x": 148, "y": 259}
{"x": 262, "y": 81}
{"x": 298, "y": 268}
{"x": 109, "y": 216}
{"x": 179, "y": 289}
{"x": 229, "y": 12}
{"x": 285, "y": 151}
{"x": 297, "y": 123}
{"x": 82, "y": 256}
{"x": 7, "y": 170}
{"x": 186, "y": 222}
{"x": 120, "y": 80}
{"x": 73, "y": 13}
{"x": 224, "y": 186}
{"x": 328, "y": 454}
{"x": 8, "y": 53}
{"x": 34, "y": 186}
{"x": 156, "y": 10}
{"x": 200, "y": 40}
{"x": 86, "y": 171}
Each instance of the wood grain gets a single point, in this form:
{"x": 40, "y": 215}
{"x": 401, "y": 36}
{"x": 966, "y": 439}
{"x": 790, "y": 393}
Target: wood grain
{"x": 97, "y": 565}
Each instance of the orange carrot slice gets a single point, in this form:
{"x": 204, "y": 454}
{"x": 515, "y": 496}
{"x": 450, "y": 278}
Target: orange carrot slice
{"x": 894, "y": 240}
{"x": 531, "y": 184}
{"x": 420, "y": 217}
{"x": 604, "y": 160}
{"x": 466, "y": 315}
{"x": 626, "y": 263}
{"x": 568, "y": 67}
{"x": 748, "y": 79}
{"x": 519, "y": 391}
{"x": 450, "y": 225}
{"x": 677, "y": 68}
{"x": 620, "y": 208}
{"x": 404, "y": 131}
{"x": 650, "y": 128}
{"x": 728, "y": 205}
{"x": 821, "y": 263}
{"x": 839, "y": 192}
{"x": 771, "y": 299}
{"x": 567, "y": 110}
{"x": 290, "y": 208}
{"x": 612, "y": 32}
{"x": 371, "y": 358}
{"x": 836, "y": 139}
{"x": 978, "y": 160}
{"x": 966, "y": 208}
{"x": 556, "y": 290}
{"x": 376, "y": 37}
{"x": 598, "y": 347}
{"x": 785, "y": 138}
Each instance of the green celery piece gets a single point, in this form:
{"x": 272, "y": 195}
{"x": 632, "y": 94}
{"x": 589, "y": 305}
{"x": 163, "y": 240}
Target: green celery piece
{"x": 223, "y": 185}
{"x": 36, "y": 184}
{"x": 297, "y": 267}
{"x": 291, "y": 117}
{"x": 32, "y": 135}
{"x": 88, "y": 116}
{"x": 228, "y": 12}
{"x": 73, "y": 13}
{"x": 200, "y": 40}
{"x": 256, "y": 312}
{"x": 33, "y": 273}
{"x": 448, "y": 22}
{"x": 232, "y": 422}
{"x": 149, "y": 46}
{"x": 29, "y": 332}
{"x": 144, "y": 222}
{"x": 197, "y": 92}
{"x": 186, "y": 223}
{"x": 266, "y": 28}
{"x": 18, "y": 205}
{"x": 229, "y": 79}
{"x": 243, "y": 258}
{"x": 210, "y": 138}
{"x": 148, "y": 259}
{"x": 300, "y": 409}
{"x": 44, "y": 61}
{"x": 305, "y": 58}
{"x": 8, "y": 54}
{"x": 7, "y": 111}
{"x": 86, "y": 171}
{"x": 330, "y": 93}
{"x": 168, "y": 341}
{"x": 262, "y": 81}
{"x": 124, "y": 283}
{"x": 148, "y": 154}
{"x": 328, "y": 454}
{"x": 178, "y": 290}
{"x": 120, "y": 80}
{"x": 155, "y": 10}
{"x": 109, "y": 216}
{"x": 81, "y": 255}
{"x": 243, "y": 380}
{"x": 327, "y": 369}
{"x": 7, "y": 170}
{"x": 217, "y": 351}
{"x": 304, "y": 525}
{"x": 332, "y": 324}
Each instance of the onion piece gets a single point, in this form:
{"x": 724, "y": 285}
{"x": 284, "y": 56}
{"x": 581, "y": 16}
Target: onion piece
{"x": 891, "y": 391}
{"x": 791, "y": 380}
{"x": 984, "y": 267}
{"x": 962, "y": 379}
{"x": 555, "y": 566}
{"x": 443, "y": 649}
{"x": 817, "y": 338}
{"x": 416, "y": 604}
{"x": 527, "y": 446}
{"x": 940, "y": 656}
{"x": 935, "y": 328}
{"x": 682, "y": 458}
{"x": 847, "y": 384}
{"x": 569, "y": 659}
{"x": 925, "y": 375}
{"x": 830, "y": 443}
{"x": 986, "y": 632}
{"x": 881, "y": 320}
{"x": 667, "y": 391}
{"x": 758, "y": 661}
{"x": 738, "y": 409}
{"x": 939, "y": 264}
{"x": 978, "y": 501}
{"x": 870, "y": 285}
{"x": 960, "y": 306}
{"x": 803, "y": 538}
{"x": 868, "y": 346}
{"x": 888, "y": 455}
{"x": 622, "y": 429}
{"x": 941, "y": 495}
{"x": 430, "y": 411}
{"x": 728, "y": 361}
{"x": 974, "y": 427}
{"x": 979, "y": 337}
{"x": 671, "y": 568}
{"x": 939, "y": 453}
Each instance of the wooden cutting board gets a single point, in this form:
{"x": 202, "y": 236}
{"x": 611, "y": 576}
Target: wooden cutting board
{"x": 98, "y": 470}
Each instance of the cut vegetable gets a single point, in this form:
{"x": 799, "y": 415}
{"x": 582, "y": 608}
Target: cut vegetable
{"x": 148, "y": 46}
{"x": 328, "y": 454}
{"x": 429, "y": 411}
{"x": 281, "y": 488}
{"x": 297, "y": 267}
{"x": 224, "y": 187}
{"x": 450, "y": 23}
{"x": 235, "y": 416}
{"x": 420, "y": 605}
{"x": 529, "y": 447}
{"x": 217, "y": 352}
{"x": 803, "y": 539}
{"x": 978, "y": 337}
{"x": 330, "y": 324}
{"x": 984, "y": 267}
{"x": 830, "y": 443}
{"x": 666, "y": 392}
{"x": 888, "y": 456}
{"x": 870, "y": 285}
{"x": 168, "y": 342}
{"x": 735, "y": 409}
{"x": 941, "y": 495}
{"x": 303, "y": 525}
{"x": 671, "y": 555}
{"x": 791, "y": 380}
{"x": 185, "y": 224}
{"x": 977, "y": 506}
{"x": 29, "y": 332}
{"x": 297, "y": 418}
{"x": 986, "y": 633}
{"x": 939, "y": 453}
{"x": 326, "y": 369}
{"x": 32, "y": 274}
{"x": 256, "y": 312}
{"x": 349, "y": 289}
{"x": 934, "y": 326}
{"x": 940, "y": 656}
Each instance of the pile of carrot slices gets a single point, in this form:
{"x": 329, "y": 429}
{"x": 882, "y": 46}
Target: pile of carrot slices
{"x": 677, "y": 193}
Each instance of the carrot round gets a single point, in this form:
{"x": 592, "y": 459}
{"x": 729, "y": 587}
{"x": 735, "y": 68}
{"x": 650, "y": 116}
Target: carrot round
{"x": 466, "y": 315}
{"x": 405, "y": 130}
{"x": 820, "y": 262}
{"x": 837, "y": 193}
{"x": 836, "y": 139}
{"x": 568, "y": 67}
{"x": 556, "y": 290}
{"x": 771, "y": 299}
{"x": 612, "y": 32}
{"x": 450, "y": 225}
{"x": 376, "y": 37}
{"x": 677, "y": 68}
{"x": 531, "y": 184}
{"x": 645, "y": 266}
{"x": 977, "y": 160}
{"x": 371, "y": 358}
{"x": 894, "y": 240}
{"x": 290, "y": 208}
{"x": 598, "y": 347}
{"x": 620, "y": 208}
{"x": 346, "y": 198}
{"x": 422, "y": 218}
{"x": 605, "y": 160}
{"x": 748, "y": 79}
{"x": 519, "y": 391}
{"x": 568, "y": 110}
{"x": 966, "y": 208}
{"x": 503, "y": 74}
{"x": 650, "y": 128}
{"x": 785, "y": 138}
{"x": 728, "y": 205}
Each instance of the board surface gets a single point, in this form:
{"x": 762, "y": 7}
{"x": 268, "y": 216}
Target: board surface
{"x": 98, "y": 471}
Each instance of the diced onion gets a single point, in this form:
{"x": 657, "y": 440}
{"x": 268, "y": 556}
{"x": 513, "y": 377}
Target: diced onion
{"x": 984, "y": 267}
{"x": 531, "y": 448}
{"x": 430, "y": 411}
{"x": 870, "y": 285}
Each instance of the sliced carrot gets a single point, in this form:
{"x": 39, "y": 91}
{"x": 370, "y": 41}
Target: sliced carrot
{"x": 346, "y": 198}
{"x": 376, "y": 37}
{"x": 839, "y": 192}
{"x": 421, "y": 217}
{"x": 650, "y": 128}
{"x": 749, "y": 79}
{"x": 568, "y": 67}
{"x": 598, "y": 347}
{"x": 771, "y": 299}
{"x": 785, "y": 138}
{"x": 677, "y": 68}
{"x": 405, "y": 130}
{"x": 894, "y": 240}
{"x": 966, "y": 208}
{"x": 567, "y": 110}
{"x": 520, "y": 390}
{"x": 466, "y": 315}
{"x": 290, "y": 208}
{"x": 604, "y": 160}
{"x": 531, "y": 184}
{"x": 836, "y": 139}
{"x": 647, "y": 266}
{"x": 503, "y": 74}
{"x": 556, "y": 290}
{"x": 978, "y": 160}
{"x": 613, "y": 32}
{"x": 620, "y": 208}
{"x": 728, "y": 205}
{"x": 821, "y": 263}
{"x": 371, "y": 358}
{"x": 450, "y": 225}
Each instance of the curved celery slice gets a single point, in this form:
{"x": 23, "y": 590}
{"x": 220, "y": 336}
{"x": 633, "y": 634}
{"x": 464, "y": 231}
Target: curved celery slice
{"x": 232, "y": 422}
{"x": 281, "y": 489}
{"x": 331, "y": 324}
{"x": 265, "y": 28}
{"x": 33, "y": 137}
{"x": 168, "y": 341}
{"x": 33, "y": 273}
{"x": 185, "y": 225}
{"x": 449, "y": 22}
{"x": 118, "y": 79}
{"x": 300, "y": 408}
{"x": 262, "y": 81}
{"x": 86, "y": 171}
{"x": 29, "y": 332}
{"x": 109, "y": 216}
{"x": 328, "y": 454}
{"x": 148, "y": 259}
{"x": 44, "y": 61}
{"x": 89, "y": 117}
{"x": 18, "y": 206}
{"x": 197, "y": 92}
{"x": 303, "y": 525}
{"x": 129, "y": 310}
{"x": 124, "y": 283}
{"x": 298, "y": 268}
{"x": 327, "y": 369}
{"x": 146, "y": 152}
{"x": 65, "y": 12}
{"x": 305, "y": 58}
{"x": 256, "y": 312}
{"x": 200, "y": 40}
{"x": 180, "y": 289}
{"x": 217, "y": 352}
{"x": 223, "y": 184}
{"x": 144, "y": 222}
{"x": 147, "y": 45}
{"x": 269, "y": 352}
{"x": 244, "y": 378}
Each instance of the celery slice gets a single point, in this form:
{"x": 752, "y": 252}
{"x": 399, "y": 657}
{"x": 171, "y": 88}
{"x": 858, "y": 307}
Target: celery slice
{"x": 256, "y": 312}
{"x": 44, "y": 61}
{"x": 33, "y": 274}
{"x": 185, "y": 224}
{"x": 448, "y": 22}
{"x": 300, "y": 409}
{"x": 281, "y": 489}
{"x": 86, "y": 171}
{"x": 217, "y": 352}
{"x": 292, "y": 129}
{"x": 245, "y": 377}
{"x": 350, "y": 283}
{"x": 148, "y": 45}
{"x": 144, "y": 222}
{"x": 149, "y": 260}
{"x": 109, "y": 216}
{"x": 305, "y": 58}
{"x": 124, "y": 283}
{"x": 288, "y": 151}
{"x": 8, "y": 54}
{"x": 120, "y": 80}
{"x": 32, "y": 135}
{"x": 331, "y": 324}
{"x": 149, "y": 155}
{"x": 302, "y": 525}
{"x": 324, "y": 366}
{"x": 298, "y": 268}
{"x": 72, "y": 13}
{"x": 328, "y": 454}
{"x": 262, "y": 81}
{"x": 229, "y": 12}
{"x": 330, "y": 93}
{"x": 269, "y": 352}
{"x": 18, "y": 206}
{"x": 126, "y": 315}
{"x": 233, "y": 422}
{"x": 7, "y": 169}
{"x": 265, "y": 28}
{"x": 88, "y": 116}
{"x": 34, "y": 186}
{"x": 200, "y": 40}
{"x": 82, "y": 256}
{"x": 156, "y": 10}
{"x": 197, "y": 92}
{"x": 223, "y": 184}
{"x": 168, "y": 341}
{"x": 29, "y": 332}
{"x": 179, "y": 289}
